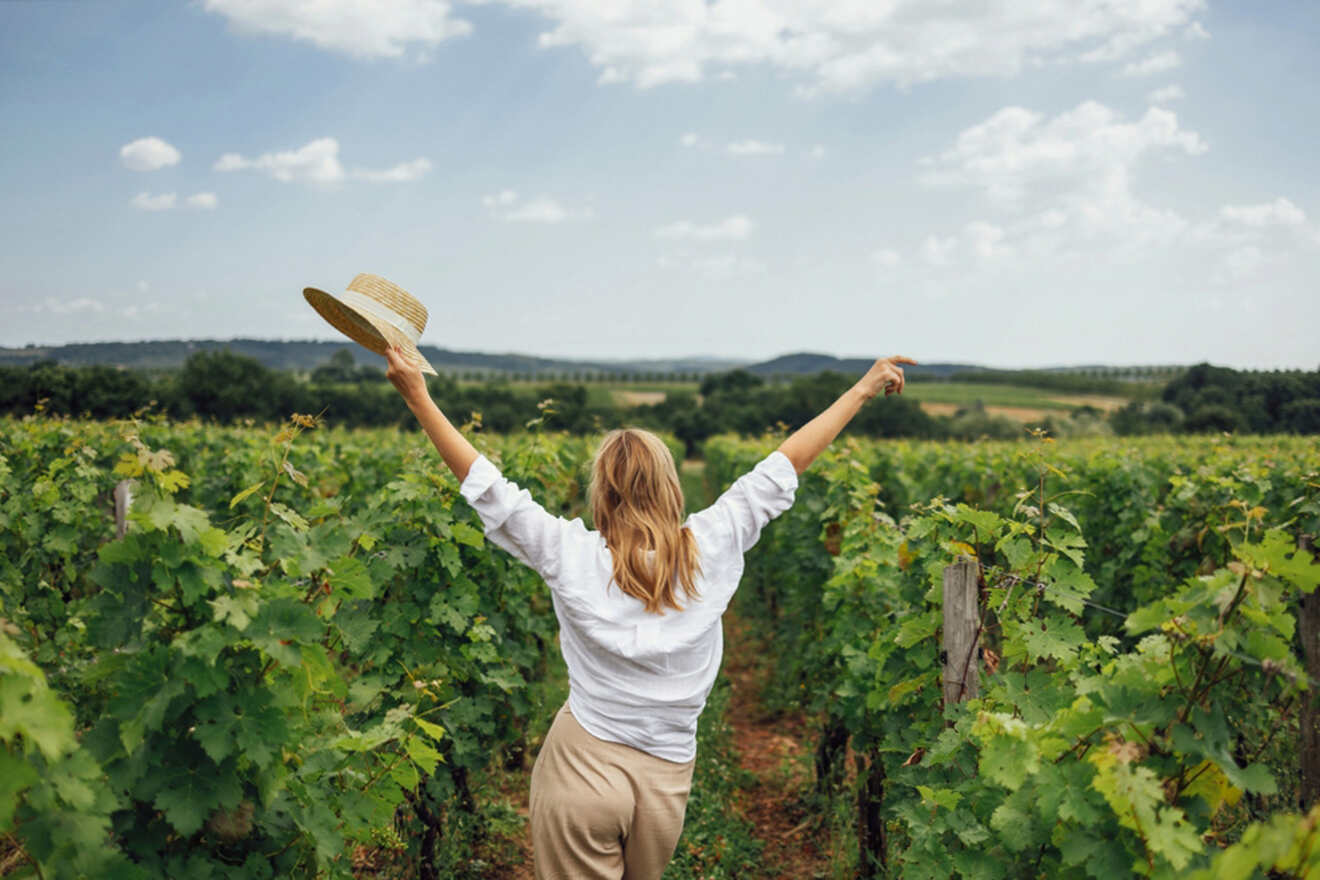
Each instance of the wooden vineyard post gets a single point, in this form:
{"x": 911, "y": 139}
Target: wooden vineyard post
{"x": 962, "y": 622}
{"x": 1308, "y": 624}
{"x": 123, "y": 500}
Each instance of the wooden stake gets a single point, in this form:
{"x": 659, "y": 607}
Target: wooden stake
{"x": 123, "y": 500}
{"x": 962, "y": 621}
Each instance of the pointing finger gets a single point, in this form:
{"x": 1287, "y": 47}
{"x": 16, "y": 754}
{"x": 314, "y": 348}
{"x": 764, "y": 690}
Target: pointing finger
{"x": 899, "y": 359}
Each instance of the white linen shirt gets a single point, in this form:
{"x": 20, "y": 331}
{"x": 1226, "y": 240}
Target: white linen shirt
{"x": 635, "y": 678}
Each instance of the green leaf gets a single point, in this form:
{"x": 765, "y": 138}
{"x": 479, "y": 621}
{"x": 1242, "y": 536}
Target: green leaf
{"x": 1013, "y": 820}
{"x": 917, "y": 628}
{"x": 1064, "y": 514}
{"x": 986, "y": 522}
{"x": 435, "y": 731}
{"x": 1279, "y": 554}
{"x": 1137, "y": 799}
{"x": 466, "y": 534}
{"x": 16, "y": 775}
{"x": 1070, "y": 544}
{"x": 939, "y": 797}
{"x": 405, "y": 774}
{"x": 28, "y": 707}
{"x": 283, "y": 624}
{"x": 290, "y": 516}
{"x": 238, "y": 499}
{"x": 1017, "y": 550}
{"x": 236, "y": 610}
{"x": 214, "y": 541}
{"x": 1052, "y": 636}
{"x": 422, "y": 754}
{"x": 1008, "y": 757}
{"x": 349, "y": 577}
{"x": 189, "y": 793}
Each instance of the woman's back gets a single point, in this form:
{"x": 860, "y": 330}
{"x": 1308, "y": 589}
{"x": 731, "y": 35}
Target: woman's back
{"x": 636, "y": 677}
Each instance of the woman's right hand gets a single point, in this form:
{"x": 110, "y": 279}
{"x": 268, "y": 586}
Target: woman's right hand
{"x": 885, "y": 375}
{"x": 406, "y": 376}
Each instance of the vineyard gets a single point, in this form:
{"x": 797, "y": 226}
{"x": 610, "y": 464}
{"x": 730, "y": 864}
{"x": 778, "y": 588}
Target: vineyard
{"x": 1144, "y": 709}
{"x": 301, "y": 650}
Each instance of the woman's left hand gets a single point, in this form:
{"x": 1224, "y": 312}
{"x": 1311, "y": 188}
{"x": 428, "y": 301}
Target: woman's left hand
{"x": 405, "y": 376}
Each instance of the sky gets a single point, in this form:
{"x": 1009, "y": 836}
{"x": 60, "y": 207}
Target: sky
{"x": 1002, "y": 182}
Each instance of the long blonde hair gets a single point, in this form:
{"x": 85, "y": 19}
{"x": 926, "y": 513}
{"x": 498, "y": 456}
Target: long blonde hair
{"x": 637, "y": 505}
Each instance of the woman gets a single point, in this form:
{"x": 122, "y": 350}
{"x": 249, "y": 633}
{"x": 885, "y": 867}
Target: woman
{"x": 639, "y": 604}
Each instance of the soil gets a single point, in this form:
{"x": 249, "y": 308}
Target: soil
{"x": 1017, "y": 413}
{"x": 637, "y": 398}
{"x": 775, "y": 750}
{"x": 1101, "y": 402}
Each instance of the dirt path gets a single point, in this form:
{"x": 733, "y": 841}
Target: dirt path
{"x": 775, "y": 751}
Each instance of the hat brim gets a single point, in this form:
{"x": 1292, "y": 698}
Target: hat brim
{"x": 366, "y": 330}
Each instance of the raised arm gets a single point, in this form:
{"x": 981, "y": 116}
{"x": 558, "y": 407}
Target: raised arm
{"x": 809, "y": 441}
{"x": 454, "y": 448}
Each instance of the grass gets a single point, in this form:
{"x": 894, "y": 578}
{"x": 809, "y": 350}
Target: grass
{"x": 962, "y": 393}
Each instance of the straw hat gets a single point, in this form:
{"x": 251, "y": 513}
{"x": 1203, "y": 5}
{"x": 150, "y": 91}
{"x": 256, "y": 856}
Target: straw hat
{"x": 375, "y": 314}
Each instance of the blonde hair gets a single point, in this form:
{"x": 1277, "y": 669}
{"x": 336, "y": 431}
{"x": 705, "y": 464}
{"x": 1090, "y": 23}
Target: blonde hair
{"x": 637, "y": 505}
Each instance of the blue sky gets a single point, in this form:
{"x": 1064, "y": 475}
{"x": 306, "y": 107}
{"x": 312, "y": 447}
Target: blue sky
{"x": 1001, "y": 183}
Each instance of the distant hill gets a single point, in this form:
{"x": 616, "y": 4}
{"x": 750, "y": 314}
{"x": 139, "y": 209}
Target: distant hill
{"x": 809, "y": 362}
{"x": 309, "y": 354}
{"x": 305, "y": 355}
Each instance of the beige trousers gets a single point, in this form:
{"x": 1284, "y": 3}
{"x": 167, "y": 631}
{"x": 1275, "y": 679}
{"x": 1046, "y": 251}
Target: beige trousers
{"x": 603, "y": 810}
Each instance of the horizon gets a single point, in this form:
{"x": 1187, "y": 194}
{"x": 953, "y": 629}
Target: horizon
{"x": 1131, "y": 186}
{"x": 739, "y": 362}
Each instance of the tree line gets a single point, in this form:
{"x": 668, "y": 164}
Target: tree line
{"x": 227, "y": 387}
{"x": 1207, "y": 398}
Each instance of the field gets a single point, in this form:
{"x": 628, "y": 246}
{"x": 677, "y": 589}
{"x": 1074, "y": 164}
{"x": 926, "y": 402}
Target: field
{"x": 1010, "y": 401}
{"x": 302, "y": 659}
{"x": 1015, "y": 402}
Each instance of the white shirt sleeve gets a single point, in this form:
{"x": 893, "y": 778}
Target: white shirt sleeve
{"x": 514, "y": 521}
{"x": 754, "y": 499}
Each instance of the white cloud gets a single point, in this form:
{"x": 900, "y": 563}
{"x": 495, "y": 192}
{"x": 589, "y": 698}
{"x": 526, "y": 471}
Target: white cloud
{"x": 843, "y": 44}
{"x": 1157, "y": 63}
{"x": 886, "y": 258}
{"x": 507, "y": 205}
{"x": 754, "y": 148}
{"x": 1079, "y": 163}
{"x": 937, "y": 251}
{"x": 1279, "y": 212}
{"x": 689, "y": 139}
{"x": 137, "y": 309}
{"x": 816, "y": 152}
{"x": 148, "y": 154}
{"x": 538, "y": 210}
{"x": 315, "y": 162}
{"x": 1239, "y": 263}
{"x": 66, "y": 306}
{"x": 1166, "y": 94}
{"x": 1196, "y": 31}
{"x": 205, "y": 201}
{"x": 361, "y": 28}
{"x": 1059, "y": 185}
{"x": 500, "y": 199}
{"x": 404, "y": 172}
{"x": 318, "y": 162}
{"x": 985, "y": 240}
{"x": 738, "y": 227}
{"x": 826, "y": 44}
{"x": 147, "y": 202}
